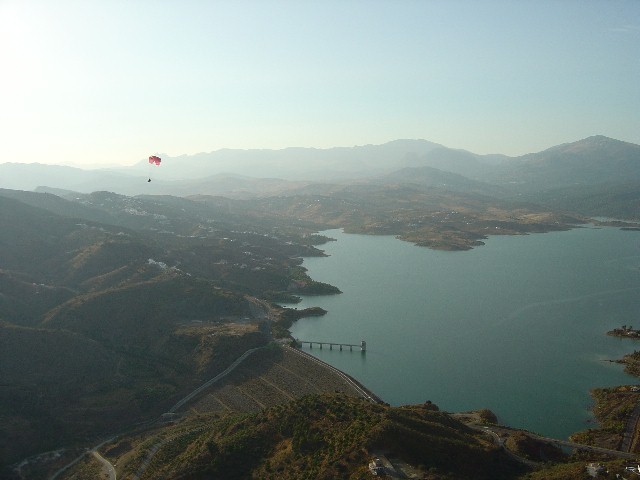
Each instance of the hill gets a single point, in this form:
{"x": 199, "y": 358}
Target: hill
{"x": 460, "y": 162}
{"x": 591, "y": 161}
{"x": 55, "y": 202}
{"x": 155, "y": 307}
{"x": 39, "y": 242}
{"x": 619, "y": 200}
{"x": 294, "y": 430}
{"x": 430, "y": 216}
{"x": 222, "y": 240}
{"x": 27, "y": 176}
{"x": 46, "y": 378}
{"x": 103, "y": 326}
{"x": 60, "y": 388}
{"x": 321, "y": 437}
{"x": 427, "y": 176}
{"x": 24, "y": 301}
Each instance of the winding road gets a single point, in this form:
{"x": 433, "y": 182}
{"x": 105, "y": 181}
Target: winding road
{"x": 496, "y": 431}
{"x": 106, "y": 464}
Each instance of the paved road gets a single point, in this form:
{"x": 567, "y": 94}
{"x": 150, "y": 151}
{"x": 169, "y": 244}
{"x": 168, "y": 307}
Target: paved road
{"x": 207, "y": 384}
{"x": 497, "y": 439}
{"x": 564, "y": 443}
{"x": 630, "y": 429}
{"x": 112, "y": 473}
{"x": 580, "y": 446}
{"x": 94, "y": 451}
{"x": 106, "y": 464}
{"x": 109, "y": 467}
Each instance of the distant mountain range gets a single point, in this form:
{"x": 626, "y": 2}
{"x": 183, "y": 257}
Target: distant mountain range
{"x": 595, "y": 160}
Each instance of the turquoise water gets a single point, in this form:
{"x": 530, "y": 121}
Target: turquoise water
{"x": 517, "y": 325}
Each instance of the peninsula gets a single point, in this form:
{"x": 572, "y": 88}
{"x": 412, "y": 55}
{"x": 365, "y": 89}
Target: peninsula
{"x": 626, "y": 331}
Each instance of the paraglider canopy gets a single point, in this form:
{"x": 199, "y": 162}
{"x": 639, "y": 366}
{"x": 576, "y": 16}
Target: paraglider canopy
{"x": 153, "y": 160}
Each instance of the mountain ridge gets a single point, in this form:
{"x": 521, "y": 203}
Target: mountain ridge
{"x": 204, "y": 173}
{"x": 593, "y": 160}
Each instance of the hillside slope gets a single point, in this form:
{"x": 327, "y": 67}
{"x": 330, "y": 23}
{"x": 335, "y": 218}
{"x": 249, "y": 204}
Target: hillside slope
{"x": 324, "y": 437}
{"x": 591, "y": 161}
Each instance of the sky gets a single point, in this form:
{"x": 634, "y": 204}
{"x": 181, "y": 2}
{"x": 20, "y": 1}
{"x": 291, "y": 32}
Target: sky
{"x": 106, "y": 82}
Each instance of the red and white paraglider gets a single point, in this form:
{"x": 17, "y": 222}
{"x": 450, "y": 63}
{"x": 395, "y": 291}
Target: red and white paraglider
{"x": 153, "y": 160}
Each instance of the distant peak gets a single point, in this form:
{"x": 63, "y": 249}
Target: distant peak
{"x": 591, "y": 143}
{"x": 599, "y": 139}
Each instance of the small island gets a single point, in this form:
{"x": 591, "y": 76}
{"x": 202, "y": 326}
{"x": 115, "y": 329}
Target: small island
{"x": 625, "y": 332}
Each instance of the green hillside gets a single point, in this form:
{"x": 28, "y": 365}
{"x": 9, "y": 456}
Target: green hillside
{"x": 47, "y": 378}
{"x": 97, "y": 335}
{"x": 620, "y": 201}
{"x": 323, "y": 437}
{"x": 590, "y": 161}
{"x": 58, "y": 388}
{"x": 138, "y": 313}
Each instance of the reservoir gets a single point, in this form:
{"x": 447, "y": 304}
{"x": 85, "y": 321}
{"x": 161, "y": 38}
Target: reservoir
{"x": 517, "y": 325}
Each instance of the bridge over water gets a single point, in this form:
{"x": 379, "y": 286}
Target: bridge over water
{"x": 351, "y": 346}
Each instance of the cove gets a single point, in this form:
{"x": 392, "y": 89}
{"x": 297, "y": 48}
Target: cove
{"x": 517, "y": 325}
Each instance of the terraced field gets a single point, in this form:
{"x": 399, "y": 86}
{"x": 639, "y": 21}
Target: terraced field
{"x": 269, "y": 377}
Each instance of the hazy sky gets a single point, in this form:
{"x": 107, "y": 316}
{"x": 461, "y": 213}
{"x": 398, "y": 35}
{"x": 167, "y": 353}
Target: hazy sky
{"x": 110, "y": 81}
